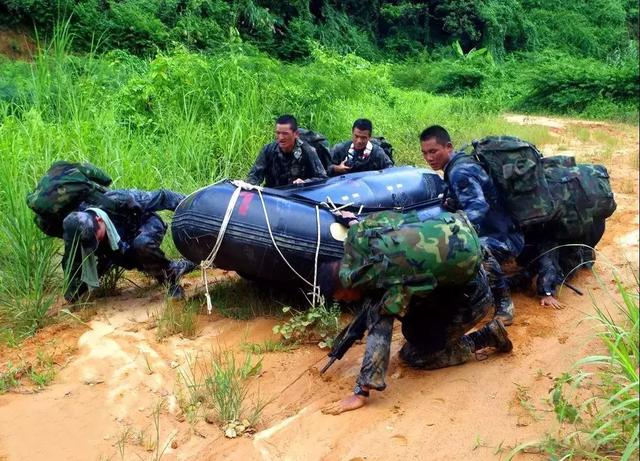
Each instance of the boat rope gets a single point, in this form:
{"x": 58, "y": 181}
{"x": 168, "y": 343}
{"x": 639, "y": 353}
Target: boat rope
{"x": 208, "y": 262}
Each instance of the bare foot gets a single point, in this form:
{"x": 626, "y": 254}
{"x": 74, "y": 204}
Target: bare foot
{"x": 353, "y": 402}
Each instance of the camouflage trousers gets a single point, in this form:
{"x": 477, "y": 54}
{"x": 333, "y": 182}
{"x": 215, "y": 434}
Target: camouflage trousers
{"x": 498, "y": 252}
{"x": 434, "y": 327}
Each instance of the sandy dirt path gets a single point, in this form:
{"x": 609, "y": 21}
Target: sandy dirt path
{"x": 113, "y": 372}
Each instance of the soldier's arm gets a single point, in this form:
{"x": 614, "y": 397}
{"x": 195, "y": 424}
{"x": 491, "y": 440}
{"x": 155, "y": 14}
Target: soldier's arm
{"x": 156, "y": 200}
{"x": 548, "y": 272}
{"x": 466, "y": 186}
{"x": 257, "y": 173}
{"x": 338, "y": 155}
{"x": 382, "y": 160}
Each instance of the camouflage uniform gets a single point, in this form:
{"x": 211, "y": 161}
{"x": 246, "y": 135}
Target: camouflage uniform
{"x": 469, "y": 188}
{"x": 377, "y": 159}
{"x": 554, "y": 260}
{"x": 276, "y": 168}
{"x": 431, "y": 269}
{"x": 141, "y": 233}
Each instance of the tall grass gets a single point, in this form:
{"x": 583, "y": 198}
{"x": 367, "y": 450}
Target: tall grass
{"x": 599, "y": 410}
{"x": 182, "y": 120}
{"x": 218, "y": 381}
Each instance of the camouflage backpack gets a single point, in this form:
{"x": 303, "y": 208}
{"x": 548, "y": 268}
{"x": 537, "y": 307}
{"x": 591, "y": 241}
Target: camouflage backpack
{"x": 584, "y": 195}
{"x": 62, "y": 189}
{"x": 517, "y": 171}
{"x": 405, "y": 256}
{"x": 385, "y": 145}
{"x": 319, "y": 142}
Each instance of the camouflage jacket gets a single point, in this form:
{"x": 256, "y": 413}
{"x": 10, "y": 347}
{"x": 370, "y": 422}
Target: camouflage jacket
{"x": 470, "y": 189}
{"x": 404, "y": 256}
{"x": 136, "y": 206}
{"x": 276, "y": 168}
{"x": 377, "y": 159}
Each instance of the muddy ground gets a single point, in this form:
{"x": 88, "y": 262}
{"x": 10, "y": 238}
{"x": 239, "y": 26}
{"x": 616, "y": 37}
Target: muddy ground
{"x": 112, "y": 372}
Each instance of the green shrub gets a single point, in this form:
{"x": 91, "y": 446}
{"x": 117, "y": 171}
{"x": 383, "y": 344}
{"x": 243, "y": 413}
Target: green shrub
{"x": 570, "y": 86}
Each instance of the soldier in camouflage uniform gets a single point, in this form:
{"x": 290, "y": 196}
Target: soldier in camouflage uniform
{"x": 428, "y": 269}
{"x": 470, "y": 189}
{"x": 359, "y": 154}
{"x": 288, "y": 160}
{"x": 96, "y": 240}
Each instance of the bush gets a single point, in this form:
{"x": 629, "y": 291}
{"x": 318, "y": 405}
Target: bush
{"x": 572, "y": 85}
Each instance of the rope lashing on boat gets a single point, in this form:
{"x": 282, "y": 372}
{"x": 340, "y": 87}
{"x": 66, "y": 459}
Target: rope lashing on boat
{"x": 208, "y": 262}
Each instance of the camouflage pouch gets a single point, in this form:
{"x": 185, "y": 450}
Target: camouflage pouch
{"x": 584, "y": 194}
{"x": 516, "y": 169}
{"x": 62, "y": 189}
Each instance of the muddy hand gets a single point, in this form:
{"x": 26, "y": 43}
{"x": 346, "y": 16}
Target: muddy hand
{"x": 353, "y": 402}
{"x": 550, "y": 301}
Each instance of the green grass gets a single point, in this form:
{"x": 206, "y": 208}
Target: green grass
{"x": 182, "y": 120}
{"x": 178, "y": 318}
{"x": 218, "y": 381}
{"x": 267, "y": 346}
{"x": 597, "y": 403}
{"x": 319, "y": 324}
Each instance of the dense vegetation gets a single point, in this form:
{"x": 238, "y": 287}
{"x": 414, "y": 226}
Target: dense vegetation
{"x": 178, "y": 93}
{"x": 370, "y": 28}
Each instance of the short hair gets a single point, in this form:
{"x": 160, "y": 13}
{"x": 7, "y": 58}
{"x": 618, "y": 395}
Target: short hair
{"x": 363, "y": 124}
{"x": 82, "y": 226}
{"x": 288, "y": 119}
{"x": 438, "y": 132}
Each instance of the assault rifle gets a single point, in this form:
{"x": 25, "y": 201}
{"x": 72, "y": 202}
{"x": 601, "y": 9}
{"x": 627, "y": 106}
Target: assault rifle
{"x": 352, "y": 333}
{"x": 349, "y": 335}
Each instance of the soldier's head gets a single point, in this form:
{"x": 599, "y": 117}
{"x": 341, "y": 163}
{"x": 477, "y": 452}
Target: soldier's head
{"x": 361, "y": 132}
{"x": 330, "y": 285}
{"x": 286, "y": 132}
{"x": 88, "y": 228}
{"x": 436, "y": 146}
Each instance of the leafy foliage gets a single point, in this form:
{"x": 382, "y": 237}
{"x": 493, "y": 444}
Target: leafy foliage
{"x": 318, "y": 324}
{"x": 287, "y": 30}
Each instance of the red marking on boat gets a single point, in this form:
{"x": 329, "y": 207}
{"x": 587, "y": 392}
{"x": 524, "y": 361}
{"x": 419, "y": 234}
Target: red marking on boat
{"x": 246, "y": 201}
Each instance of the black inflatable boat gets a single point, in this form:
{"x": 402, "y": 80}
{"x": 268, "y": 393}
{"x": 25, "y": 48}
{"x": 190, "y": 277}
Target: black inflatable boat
{"x": 247, "y": 246}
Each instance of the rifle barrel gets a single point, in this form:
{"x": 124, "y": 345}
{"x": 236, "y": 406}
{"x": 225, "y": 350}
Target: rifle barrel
{"x": 329, "y": 363}
{"x": 576, "y": 290}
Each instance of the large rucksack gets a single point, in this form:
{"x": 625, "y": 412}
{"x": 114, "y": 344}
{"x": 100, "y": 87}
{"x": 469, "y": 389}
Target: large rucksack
{"x": 516, "y": 168}
{"x": 385, "y": 145}
{"x": 584, "y": 197}
{"x": 319, "y": 142}
{"x": 62, "y": 189}
{"x": 406, "y": 256}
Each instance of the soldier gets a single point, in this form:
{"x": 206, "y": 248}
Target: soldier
{"x": 288, "y": 160}
{"x": 359, "y": 154}
{"x": 96, "y": 240}
{"x": 428, "y": 267}
{"x": 470, "y": 189}
{"x": 553, "y": 261}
